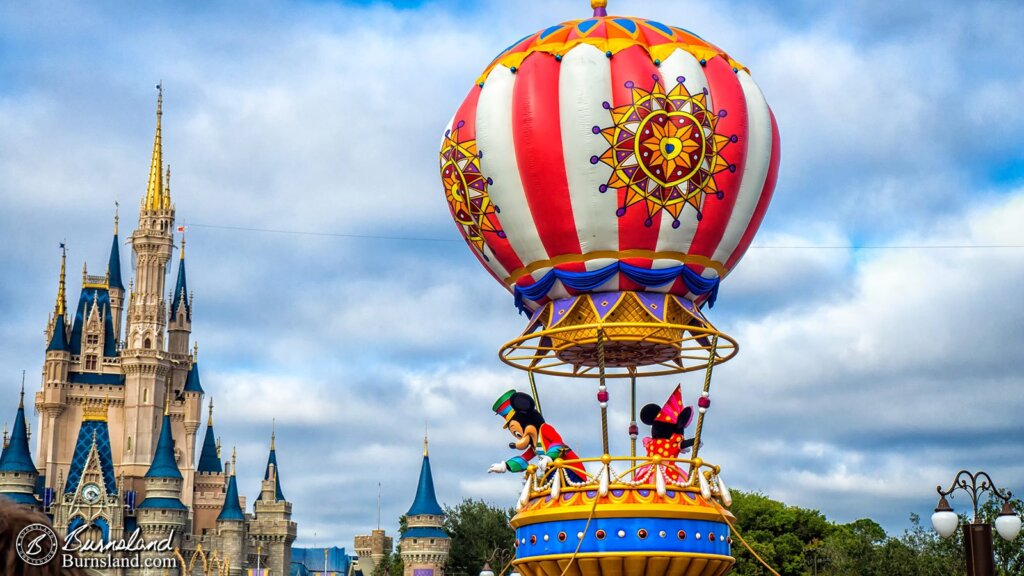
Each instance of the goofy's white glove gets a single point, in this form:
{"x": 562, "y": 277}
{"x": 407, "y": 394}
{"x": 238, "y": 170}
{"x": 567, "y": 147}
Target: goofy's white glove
{"x": 542, "y": 463}
{"x": 498, "y": 468}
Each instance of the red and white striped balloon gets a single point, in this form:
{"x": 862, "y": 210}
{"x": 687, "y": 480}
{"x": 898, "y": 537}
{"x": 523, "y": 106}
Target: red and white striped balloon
{"x": 610, "y": 139}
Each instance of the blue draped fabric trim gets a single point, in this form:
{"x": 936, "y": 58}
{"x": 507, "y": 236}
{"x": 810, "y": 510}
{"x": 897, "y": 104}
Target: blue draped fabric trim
{"x": 589, "y": 281}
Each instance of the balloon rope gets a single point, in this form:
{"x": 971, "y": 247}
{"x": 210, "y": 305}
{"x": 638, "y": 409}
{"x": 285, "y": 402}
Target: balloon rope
{"x": 740, "y": 536}
{"x": 602, "y": 390}
{"x": 533, "y": 388}
{"x": 632, "y": 422}
{"x": 707, "y": 388}
{"x": 586, "y": 527}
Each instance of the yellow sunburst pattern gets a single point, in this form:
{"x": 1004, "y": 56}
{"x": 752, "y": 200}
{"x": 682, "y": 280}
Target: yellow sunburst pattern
{"x": 664, "y": 150}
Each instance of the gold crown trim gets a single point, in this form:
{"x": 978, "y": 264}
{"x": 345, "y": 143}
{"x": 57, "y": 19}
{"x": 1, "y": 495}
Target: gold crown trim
{"x": 95, "y": 412}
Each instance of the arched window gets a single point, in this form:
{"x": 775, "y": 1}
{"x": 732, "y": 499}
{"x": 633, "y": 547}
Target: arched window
{"x": 145, "y": 395}
{"x": 129, "y": 443}
{"x": 147, "y": 343}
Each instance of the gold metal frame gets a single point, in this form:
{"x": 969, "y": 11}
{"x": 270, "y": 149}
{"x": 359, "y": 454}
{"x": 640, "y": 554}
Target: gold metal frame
{"x": 690, "y": 347}
{"x": 637, "y": 338}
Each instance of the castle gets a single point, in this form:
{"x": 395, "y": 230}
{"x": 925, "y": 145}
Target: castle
{"x": 424, "y": 544}
{"x": 120, "y": 411}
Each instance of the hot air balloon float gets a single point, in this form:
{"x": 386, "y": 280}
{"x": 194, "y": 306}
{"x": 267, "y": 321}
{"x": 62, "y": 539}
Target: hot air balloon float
{"x": 610, "y": 172}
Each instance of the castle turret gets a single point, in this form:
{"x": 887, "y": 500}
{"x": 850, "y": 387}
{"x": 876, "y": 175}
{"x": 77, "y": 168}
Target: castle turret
{"x": 52, "y": 400}
{"x": 207, "y": 497}
{"x": 179, "y": 322}
{"x": 17, "y": 471}
{"x": 162, "y": 515}
{"x": 272, "y": 527}
{"x": 115, "y": 283}
{"x": 424, "y": 544}
{"x": 231, "y": 526}
{"x": 147, "y": 369}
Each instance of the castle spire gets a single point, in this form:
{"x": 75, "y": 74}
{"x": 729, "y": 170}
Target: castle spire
{"x": 155, "y": 189}
{"x": 209, "y": 457}
{"x": 62, "y": 301}
{"x": 426, "y": 442}
{"x": 114, "y": 265}
{"x": 232, "y": 509}
{"x": 16, "y": 456}
{"x": 59, "y": 337}
{"x": 180, "y": 297}
{"x": 272, "y": 459}
{"x": 164, "y": 465}
{"x": 426, "y": 501}
{"x": 167, "y": 187}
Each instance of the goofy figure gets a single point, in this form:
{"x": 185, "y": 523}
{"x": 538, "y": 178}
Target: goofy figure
{"x": 534, "y": 436}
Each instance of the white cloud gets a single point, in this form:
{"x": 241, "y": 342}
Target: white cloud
{"x": 861, "y": 373}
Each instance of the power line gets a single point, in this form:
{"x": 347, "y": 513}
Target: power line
{"x": 753, "y": 247}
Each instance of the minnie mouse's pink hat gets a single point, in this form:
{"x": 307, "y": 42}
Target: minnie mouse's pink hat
{"x": 673, "y": 408}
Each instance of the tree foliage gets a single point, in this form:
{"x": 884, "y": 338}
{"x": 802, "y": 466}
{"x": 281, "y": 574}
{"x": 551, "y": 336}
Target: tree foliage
{"x": 801, "y": 542}
{"x": 479, "y": 532}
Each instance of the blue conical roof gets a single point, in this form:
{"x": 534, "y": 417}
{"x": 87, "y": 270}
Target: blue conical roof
{"x": 59, "y": 339}
{"x": 181, "y": 291}
{"x": 232, "y": 510}
{"x": 192, "y": 383}
{"x": 114, "y": 266}
{"x": 208, "y": 459}
{"x": 16, "y": 456}
{"x": 272, "y": 459}
{"x": 164, "y": 465}
{"x": 426, "y": 501}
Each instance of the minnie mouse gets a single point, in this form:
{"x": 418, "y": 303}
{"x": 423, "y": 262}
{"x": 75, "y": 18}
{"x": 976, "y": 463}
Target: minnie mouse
{"x": 666, "y": 440}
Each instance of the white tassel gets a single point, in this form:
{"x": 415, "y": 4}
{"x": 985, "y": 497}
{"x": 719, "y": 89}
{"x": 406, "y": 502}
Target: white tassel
{"x": 556, "y": 484}
{"x": 524, "y": 498}
{"x": 723, "y": 492}
{"x": 602, "y": 488}
{"x": 705, "y": 488}
{"x": 659, "y": 480}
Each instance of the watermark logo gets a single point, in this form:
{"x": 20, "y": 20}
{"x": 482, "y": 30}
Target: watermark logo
{"x": 36, "y": 544}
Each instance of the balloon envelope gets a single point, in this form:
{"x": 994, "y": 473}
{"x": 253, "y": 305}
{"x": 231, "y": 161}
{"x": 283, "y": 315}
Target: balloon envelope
{"x": 610, "y": 154}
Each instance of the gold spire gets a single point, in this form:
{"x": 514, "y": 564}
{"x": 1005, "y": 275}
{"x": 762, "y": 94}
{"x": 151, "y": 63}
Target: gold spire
{"x": 61, "y": 298}
{"x": 167, "y": 188}
{"x": 167, "y": 401}
{"x": 273, "y": 432}
{"x": 182, "y": 235}
{"x": 233, "y": 460}
{"x": 425, "y": 441}
{"x": 209, "y": 421}
{"x": 155, "y": 189}
{"x": 21, "y": 402}
{"x": 117, "y": 217}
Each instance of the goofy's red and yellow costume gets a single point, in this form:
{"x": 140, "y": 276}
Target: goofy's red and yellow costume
{"x": 532, "y": 435}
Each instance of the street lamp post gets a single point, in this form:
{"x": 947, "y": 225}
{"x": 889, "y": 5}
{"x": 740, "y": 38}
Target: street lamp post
{"x": 977, "y": 534}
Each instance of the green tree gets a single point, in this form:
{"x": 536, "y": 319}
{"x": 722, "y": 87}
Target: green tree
{"x": 1009, "y": 555}
{"x": 935, "y": 556}
{"x": 787, "y": 537}
{"x": 392, "y": 564}
{"x": 477, "y": 530}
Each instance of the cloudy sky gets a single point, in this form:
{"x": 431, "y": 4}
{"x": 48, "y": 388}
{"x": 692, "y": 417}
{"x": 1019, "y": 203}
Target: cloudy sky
{"x": 879, "y": 314}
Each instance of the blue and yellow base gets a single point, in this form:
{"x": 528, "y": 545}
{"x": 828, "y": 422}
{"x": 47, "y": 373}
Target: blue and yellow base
{"x": 629, "y": 532}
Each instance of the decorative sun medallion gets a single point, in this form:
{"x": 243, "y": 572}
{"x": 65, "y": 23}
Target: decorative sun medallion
{"x": 465, "y": 189}
{"x": 664, "y": 150}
